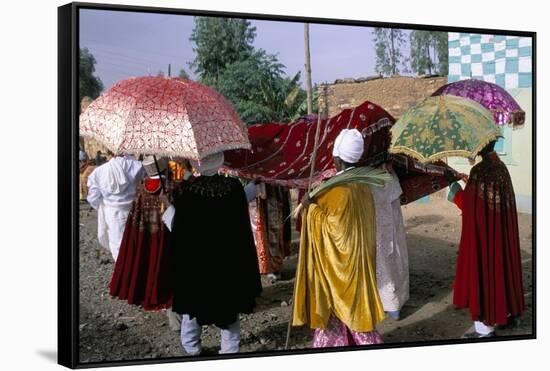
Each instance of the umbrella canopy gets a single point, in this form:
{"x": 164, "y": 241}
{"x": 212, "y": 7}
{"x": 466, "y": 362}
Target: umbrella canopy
{"x": 443, "y": 126}
{"x": 504, "y": 108}
{"x": 164, "y": 116}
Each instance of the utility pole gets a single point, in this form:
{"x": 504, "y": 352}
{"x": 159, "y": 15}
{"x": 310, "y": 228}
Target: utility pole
{"x": 309, "y": 89}
{"x": 392, "y": 59}
{"x": 169, "y": 70}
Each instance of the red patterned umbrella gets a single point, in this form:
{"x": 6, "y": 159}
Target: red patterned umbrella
{"x": 281, "y": 154}
{"x": 164, "y": 116}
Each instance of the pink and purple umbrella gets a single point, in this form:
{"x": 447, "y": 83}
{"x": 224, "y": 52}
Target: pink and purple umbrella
{"x": 505, "y": 110}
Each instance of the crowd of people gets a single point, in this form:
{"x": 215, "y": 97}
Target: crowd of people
{"x": 168, "y": 230}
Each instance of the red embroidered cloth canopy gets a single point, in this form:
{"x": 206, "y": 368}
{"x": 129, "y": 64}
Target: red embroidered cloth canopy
{"x": 281, "y": 154}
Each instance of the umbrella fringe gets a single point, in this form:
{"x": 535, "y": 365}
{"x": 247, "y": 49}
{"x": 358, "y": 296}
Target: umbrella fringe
{"x": 187, "y": 155}
{"x": 513, "y": 117}
{"x": 441, "y": 155}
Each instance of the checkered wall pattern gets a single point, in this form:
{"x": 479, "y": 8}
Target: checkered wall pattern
{"x": 504, "y": 60}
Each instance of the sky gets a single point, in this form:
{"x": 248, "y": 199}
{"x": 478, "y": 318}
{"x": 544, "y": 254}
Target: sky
{"x": 127, "y": 44}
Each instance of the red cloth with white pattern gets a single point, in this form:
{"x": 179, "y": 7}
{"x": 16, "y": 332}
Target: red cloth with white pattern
{"x": 164, "y": 116}
{"x": 281, "y": 154}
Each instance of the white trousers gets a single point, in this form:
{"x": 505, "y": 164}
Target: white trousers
{"x": 191, "y": 336}
{"x": 111, "y": 222}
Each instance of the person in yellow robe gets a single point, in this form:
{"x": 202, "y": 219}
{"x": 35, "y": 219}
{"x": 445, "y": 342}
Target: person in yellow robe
{"x": 336, "y": 292}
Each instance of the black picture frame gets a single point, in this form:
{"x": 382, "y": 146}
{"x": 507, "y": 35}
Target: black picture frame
{"x": 68, "y": 202}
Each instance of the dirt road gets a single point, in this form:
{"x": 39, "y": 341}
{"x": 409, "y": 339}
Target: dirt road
{"x": 111, "y": 329}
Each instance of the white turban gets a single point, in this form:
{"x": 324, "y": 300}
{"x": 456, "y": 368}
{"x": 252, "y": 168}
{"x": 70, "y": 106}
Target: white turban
{"x": 209, "y": 165}
{"x": 349, "y": 146}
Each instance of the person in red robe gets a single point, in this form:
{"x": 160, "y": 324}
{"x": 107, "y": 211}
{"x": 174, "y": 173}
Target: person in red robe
{"x": 488, "y": 277}
{"x": 142, "y": 272}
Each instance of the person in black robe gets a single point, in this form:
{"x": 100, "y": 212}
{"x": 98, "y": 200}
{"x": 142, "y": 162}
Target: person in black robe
{"x": 212, "y": 238}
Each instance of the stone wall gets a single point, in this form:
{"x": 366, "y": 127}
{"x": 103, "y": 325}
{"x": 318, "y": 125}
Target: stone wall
{"x": 394, "y": 94}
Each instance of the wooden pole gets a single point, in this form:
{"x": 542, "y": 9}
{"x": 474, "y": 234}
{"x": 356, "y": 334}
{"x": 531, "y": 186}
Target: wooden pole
{"x": 311, "y": 172}
{"x": 309, "y": 89}
{"x": 169, "y": 70}
{"x": 160, "y": 175}
{"x": 314, "y": 155}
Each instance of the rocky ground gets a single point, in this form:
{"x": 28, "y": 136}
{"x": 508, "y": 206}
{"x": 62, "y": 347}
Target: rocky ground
{"x": 110, "y": 329}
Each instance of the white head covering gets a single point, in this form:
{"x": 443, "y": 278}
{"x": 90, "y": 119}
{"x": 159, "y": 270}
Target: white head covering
{"x": 209, "y": 165}
{"x": 349, "y": 145}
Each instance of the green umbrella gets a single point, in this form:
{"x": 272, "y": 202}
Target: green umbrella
{"x": 443, "y": 126}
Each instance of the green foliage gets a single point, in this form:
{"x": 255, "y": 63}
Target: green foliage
{"x": 89, "y": 85}
{"x": 219, "y": 43}
{"x": 253, "y": 80}
{"x": 259, "y": 91}
{"x": 362, "y": 175}
{"x": 429, "y": 52}
{"x": 441, "y": 41}
{"x": 183, "y": 75}
{"x": 389, "y": 58}
{"x": 302, "y": 109}
{"x": 421, "y": 60}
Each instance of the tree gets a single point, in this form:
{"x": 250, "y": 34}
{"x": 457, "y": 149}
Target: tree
{"x": 441, "y": 41}
{"x": 429, "y": 52}
{"x": 219, "y": 43}
{"x": 183, "y": 74}
{"x": 302, "y": 109}
{"x": 253, "y": 80}
{"x": 421, "y": 60}
{"x": 160, "y": 73}
{"x": 259, "y": 90}
{"x": 89, "y": 85}
{"x": 388, "y": 42}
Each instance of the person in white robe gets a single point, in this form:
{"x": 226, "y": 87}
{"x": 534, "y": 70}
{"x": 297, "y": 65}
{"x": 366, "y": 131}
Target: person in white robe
{"x": 111, "y": 190}
{"x": 392, "y": 258}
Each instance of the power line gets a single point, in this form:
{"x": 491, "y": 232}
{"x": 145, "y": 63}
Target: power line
{"x": 128, "y": 56}
{"x": 139, "y": 51}
{"x": 121, "y": 57}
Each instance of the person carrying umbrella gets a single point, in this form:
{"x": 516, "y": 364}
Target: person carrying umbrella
{"x": 212, "y": 237}
{"x": 208, "y": 219}
{"x": 141, "y": 275}
{"x": 488, "y": 277}
{"x": 488, "y": 271}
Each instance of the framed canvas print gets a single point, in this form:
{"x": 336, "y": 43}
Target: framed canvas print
{"x": 243, "y": 185}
